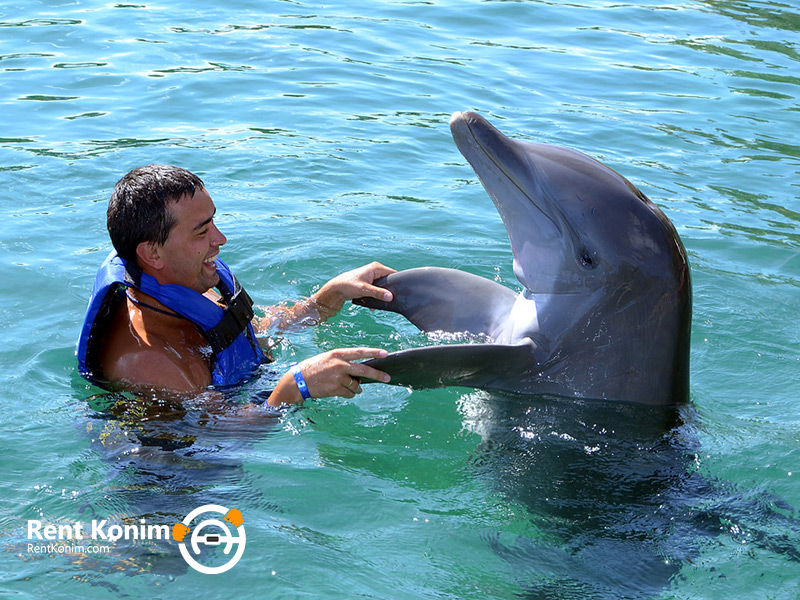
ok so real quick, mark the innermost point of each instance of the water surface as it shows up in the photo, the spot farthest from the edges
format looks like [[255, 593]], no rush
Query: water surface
[[321, 133]]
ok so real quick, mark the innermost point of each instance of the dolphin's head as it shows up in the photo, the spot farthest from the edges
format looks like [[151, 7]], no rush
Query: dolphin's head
[[583, 234], [575, 225]]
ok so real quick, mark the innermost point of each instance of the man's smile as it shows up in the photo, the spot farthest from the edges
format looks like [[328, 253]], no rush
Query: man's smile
[[211, 263]]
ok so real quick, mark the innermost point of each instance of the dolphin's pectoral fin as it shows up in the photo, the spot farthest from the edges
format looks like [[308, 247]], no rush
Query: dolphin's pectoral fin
[[437, 299], [469, 365]]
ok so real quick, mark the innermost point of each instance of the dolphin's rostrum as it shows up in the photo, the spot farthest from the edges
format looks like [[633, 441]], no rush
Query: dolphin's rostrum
[[605, 311]]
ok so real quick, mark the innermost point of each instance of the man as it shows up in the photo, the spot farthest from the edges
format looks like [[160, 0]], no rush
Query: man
[[155, 321]]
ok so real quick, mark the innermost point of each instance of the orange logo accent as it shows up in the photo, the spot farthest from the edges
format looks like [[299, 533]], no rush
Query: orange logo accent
[[179, 531], [234, 517]]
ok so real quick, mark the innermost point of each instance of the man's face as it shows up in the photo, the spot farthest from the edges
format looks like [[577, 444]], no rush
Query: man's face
[[190, 252]]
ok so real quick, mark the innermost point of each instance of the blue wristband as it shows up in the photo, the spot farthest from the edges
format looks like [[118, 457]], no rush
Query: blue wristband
[[301, 383]]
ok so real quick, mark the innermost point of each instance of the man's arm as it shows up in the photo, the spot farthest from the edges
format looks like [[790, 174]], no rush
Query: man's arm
[[329, 300]]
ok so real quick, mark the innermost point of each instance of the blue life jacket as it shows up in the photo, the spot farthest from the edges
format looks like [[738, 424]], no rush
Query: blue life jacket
[[236, 352]]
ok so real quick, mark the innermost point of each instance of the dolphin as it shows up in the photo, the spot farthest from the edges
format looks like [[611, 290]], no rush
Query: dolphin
[[605, 306]]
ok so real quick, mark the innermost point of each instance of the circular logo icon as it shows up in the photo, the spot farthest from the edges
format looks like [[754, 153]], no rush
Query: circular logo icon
[[211, 532]]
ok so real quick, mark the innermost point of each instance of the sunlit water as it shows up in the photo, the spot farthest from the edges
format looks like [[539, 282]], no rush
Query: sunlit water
[[321, 133]]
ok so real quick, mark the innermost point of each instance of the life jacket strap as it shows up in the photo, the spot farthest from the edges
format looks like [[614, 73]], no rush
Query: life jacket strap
[[237, 314]]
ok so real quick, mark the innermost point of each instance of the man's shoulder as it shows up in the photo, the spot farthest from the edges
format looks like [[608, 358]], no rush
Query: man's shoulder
[[145, 367], [138, 360]]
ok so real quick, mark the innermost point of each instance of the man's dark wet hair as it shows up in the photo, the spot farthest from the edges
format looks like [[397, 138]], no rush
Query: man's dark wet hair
[[138, 210]]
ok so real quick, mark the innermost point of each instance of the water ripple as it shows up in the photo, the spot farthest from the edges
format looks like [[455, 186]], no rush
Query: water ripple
[[321, 131]]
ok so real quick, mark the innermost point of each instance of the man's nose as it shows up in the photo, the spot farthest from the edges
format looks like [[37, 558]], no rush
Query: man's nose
[[218, 238]]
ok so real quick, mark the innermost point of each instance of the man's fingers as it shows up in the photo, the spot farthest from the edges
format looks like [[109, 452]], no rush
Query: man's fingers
[[378, 293], [368, 274], [359, 370], [352, 386], [363, 371], [351, 354]]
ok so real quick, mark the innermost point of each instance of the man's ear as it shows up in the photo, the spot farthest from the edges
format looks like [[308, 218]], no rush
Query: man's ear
[[150, 256]]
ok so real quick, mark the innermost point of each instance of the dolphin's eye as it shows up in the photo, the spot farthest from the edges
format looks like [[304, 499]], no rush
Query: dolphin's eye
[[587, 260]]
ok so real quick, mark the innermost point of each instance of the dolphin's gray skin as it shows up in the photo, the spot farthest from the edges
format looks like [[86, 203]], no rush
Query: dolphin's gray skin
[[605, 312]]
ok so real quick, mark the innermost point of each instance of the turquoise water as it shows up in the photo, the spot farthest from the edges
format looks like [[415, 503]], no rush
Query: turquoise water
[[321, 133]]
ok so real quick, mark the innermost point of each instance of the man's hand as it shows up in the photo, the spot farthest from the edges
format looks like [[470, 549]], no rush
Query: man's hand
[[358, 283], [332, 373]]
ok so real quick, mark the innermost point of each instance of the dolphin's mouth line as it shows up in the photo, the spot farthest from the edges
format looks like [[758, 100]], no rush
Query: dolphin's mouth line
[[557, 223]]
